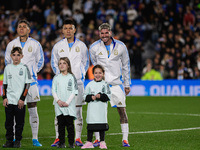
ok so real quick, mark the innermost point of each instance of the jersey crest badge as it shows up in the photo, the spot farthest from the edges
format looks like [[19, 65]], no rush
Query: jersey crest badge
[[115, 52], [9, 76], [21, 72], [69, 88], [77, 49], [100, 53], [30, 49], [103, 89], [61, 50]]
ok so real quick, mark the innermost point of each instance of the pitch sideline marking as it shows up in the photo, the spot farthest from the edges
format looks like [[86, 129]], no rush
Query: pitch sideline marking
[[141, 132], [160, 113]]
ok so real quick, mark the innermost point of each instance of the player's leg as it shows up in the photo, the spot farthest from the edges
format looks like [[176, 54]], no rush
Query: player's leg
[[56, 142], [79, 121], [124, 125], [118, 100], [34, 122], [32, 99]]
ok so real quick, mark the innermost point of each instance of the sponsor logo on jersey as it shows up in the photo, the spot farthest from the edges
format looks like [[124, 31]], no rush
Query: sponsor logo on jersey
[[115, 52], [100, 53], [36, 98], [61, 50], [30, 49], [77, 49], [120, 103], [21, 72]]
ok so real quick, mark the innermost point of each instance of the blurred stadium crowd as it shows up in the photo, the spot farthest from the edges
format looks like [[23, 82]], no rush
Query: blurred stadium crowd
[[161, 35]]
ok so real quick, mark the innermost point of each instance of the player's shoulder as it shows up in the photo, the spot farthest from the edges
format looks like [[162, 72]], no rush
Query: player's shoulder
[[13, 41], [95, 44], [58, 44], [33, 40]]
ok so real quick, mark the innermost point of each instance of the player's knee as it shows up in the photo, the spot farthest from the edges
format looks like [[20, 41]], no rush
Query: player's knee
[[33, 112]]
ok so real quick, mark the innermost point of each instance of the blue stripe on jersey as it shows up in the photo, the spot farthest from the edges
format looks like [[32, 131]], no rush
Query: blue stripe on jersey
[[34, 76], [122, 87], [108, 49], [52, 61], [22, 44], [87, 63], [95, 43], [40, 63]]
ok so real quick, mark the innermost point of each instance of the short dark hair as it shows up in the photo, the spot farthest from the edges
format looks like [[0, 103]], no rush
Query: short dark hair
[[16, 49], [70, 21], [24, 21]]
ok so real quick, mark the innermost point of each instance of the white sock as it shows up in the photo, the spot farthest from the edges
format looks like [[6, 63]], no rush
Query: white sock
[[34, 121], [78, 122], [56, 127], [125, 131], [96, 134]]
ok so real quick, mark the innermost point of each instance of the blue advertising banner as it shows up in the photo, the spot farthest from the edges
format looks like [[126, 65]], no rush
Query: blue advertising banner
[[148, 88], [144, 88]]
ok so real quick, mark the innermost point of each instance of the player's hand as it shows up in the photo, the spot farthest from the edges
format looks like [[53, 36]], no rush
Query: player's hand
[[5, 102], [93, 98], [127, 90], [98, 96], [65, 104], [20, 104]]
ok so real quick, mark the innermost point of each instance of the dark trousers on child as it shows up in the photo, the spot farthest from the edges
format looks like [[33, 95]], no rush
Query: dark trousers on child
[[101, 128], [12, 111], [90, 135], [66, 121]]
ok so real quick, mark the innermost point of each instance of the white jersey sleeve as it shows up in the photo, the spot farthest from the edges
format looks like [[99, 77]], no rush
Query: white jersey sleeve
[[39, 57], [54, 60], [85, 58], [126, 67], [8, 59]]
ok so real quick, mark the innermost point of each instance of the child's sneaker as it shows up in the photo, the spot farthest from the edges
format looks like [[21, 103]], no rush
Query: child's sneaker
[[61, 145], [96, 143], [78, 142], [87, 145], [125, 143], [17, 144], [8, 144], [55, 143], [36, 143], [103, 145]]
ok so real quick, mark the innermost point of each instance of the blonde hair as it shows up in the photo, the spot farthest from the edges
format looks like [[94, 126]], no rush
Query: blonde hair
[[105, 26]]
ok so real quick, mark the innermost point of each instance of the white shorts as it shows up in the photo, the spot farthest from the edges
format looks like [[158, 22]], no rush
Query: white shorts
[[118, 98], [33, 94], [79, 99]]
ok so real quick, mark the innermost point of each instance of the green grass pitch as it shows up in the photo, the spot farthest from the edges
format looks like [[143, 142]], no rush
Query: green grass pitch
[[155, 123]]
